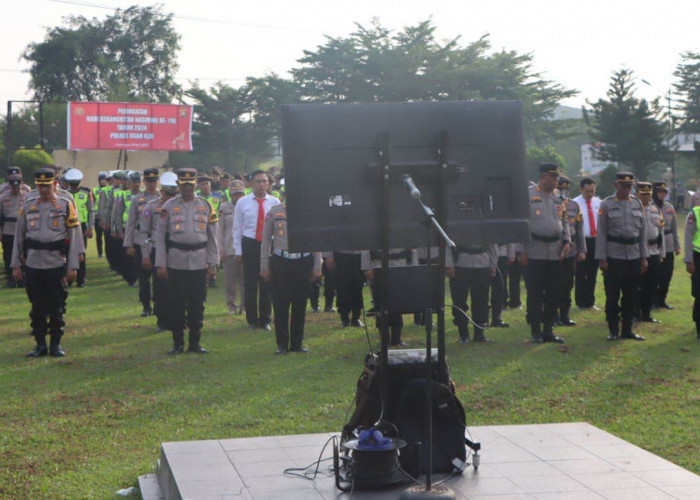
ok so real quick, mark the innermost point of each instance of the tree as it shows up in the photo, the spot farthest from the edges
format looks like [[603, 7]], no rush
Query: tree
[[629, 129], [687, 89], [130, 55], [29, 160], [535, 156], [236, 127], [374, 64]]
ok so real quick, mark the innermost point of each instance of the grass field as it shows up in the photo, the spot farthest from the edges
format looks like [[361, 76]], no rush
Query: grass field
[[87, 425]]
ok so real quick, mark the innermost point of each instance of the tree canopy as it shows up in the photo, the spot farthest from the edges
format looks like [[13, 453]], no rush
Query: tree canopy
[[687, 89], [629, 129], [130, 55], [374, 64]]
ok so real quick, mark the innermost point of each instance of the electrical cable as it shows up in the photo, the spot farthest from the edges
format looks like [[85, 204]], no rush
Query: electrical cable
[[295, 471]]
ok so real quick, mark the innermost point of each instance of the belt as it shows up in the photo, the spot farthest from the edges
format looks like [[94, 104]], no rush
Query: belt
[[546, 239], [624, 241], [286, 255], [9, 219], [48, 245], [655, 241], [470, 250], [188, 247], [668, 231]]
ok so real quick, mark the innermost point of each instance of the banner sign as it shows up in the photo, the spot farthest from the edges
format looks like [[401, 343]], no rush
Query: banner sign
[[129, 125]]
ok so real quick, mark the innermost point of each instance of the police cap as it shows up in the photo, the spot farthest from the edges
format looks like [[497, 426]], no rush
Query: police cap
[[236, 186], [74, 176], [643, 187], [624, 177], [660, 186], [44, 176], [150, 174], [187, 176], [564, 182], [549, 168]]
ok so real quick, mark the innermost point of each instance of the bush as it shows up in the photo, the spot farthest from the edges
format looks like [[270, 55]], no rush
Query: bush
[[29, 160]]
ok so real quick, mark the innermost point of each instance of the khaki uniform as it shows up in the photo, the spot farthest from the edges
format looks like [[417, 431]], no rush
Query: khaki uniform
[[186, 244], [549, 232], [574, 218], [291, 275], [47, 240], [649, 281], [233, 269], [148, 221], [10, 206], [622, 241], [134, 236]]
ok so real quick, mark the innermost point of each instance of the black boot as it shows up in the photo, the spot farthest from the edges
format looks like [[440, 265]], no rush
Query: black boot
[[536, 334], [396, 336], [40, 349], [55, 346], [499, 323], [463, 334], [548, 336], [56, 324], [194, 343], [178, 343], [147, 311], [344, 320], [479, 335], [564, 318], [355, 321], [627, 333]]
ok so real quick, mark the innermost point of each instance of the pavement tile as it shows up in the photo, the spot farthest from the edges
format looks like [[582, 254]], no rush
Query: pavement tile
[[610, 480], [636, 494], [584, 466]]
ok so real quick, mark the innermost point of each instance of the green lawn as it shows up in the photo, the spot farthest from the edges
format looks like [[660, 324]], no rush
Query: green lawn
[[87, 425]]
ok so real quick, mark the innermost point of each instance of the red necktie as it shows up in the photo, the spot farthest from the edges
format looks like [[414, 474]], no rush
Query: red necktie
[[591, 219], [261, 219]]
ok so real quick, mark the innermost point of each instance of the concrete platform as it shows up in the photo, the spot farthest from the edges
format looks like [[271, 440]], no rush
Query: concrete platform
[[573, 461]]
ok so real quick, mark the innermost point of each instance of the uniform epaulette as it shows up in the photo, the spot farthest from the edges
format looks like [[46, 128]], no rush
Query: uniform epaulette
[[213, 217]]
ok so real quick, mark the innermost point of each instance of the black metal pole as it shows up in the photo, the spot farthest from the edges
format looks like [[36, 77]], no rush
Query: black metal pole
[[385, 206], [429, 370]]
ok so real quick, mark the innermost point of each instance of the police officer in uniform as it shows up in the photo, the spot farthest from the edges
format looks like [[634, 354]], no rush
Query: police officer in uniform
[[499, 283], [232, 268], [371, 260], [105, 216], [84, 204], [577, 251], [691, 257], [549, 243], [187, 254], [671, 241], [470, 270], [97, 194], [148, 224], [120, 216], [654, 230], [621, 250], [214, 198], [11, 201], [291, 275], [134, 236], [47, 243]]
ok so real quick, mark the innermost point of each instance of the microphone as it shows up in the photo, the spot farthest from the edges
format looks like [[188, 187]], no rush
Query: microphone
[[411, 187]]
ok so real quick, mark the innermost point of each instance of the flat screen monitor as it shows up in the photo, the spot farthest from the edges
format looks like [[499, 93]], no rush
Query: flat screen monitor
[[334, 156]]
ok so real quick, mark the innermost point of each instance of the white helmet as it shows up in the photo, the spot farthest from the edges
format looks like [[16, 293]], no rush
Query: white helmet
[[168, 179], [74, 175]]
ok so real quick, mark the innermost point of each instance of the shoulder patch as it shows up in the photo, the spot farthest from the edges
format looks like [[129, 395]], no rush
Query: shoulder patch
[[72, 217]]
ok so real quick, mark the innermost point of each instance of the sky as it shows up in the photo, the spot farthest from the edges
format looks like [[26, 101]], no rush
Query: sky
[[575, 43]]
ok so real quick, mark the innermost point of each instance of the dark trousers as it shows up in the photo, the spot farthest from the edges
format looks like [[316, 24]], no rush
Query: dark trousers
[[649, 285], [256, 291], [695, 287], [186, 296], [515, 272], [82, 267], [111, 251], [348, 284], [130, 266], [160, 298], [144, 277], [621, 278], [665, 275], [566, 285], [586, 273], [47, 292], [99, 235], [498, 289], [394, 320], [328, 288], [291, 283], [475, 281], [542, 289], [8, 240]]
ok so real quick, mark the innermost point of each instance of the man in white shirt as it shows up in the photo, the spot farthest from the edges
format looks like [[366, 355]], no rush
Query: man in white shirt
[[587, 270], [248, 222]]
